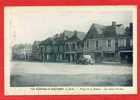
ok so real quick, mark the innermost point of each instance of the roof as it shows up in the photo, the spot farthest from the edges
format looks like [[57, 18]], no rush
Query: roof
[[22, 46], [58, 39], [95, 31], [81, 35], [77, 36], [110, 31], [99, 31], [36, 42], [48, 41], [68, 33]]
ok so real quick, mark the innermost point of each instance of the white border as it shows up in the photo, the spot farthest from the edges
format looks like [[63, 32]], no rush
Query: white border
[[42, 90]]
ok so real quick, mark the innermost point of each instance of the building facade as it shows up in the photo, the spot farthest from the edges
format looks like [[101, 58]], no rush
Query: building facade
[[36, 52], [105, 42], [22, 52], [52, 49], [74, 47]]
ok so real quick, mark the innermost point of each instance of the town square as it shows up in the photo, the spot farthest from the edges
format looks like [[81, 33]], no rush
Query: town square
[[70, 47], [65, 74], [102, 57]]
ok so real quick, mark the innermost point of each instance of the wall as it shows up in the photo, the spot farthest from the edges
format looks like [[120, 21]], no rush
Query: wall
[[102, 45]]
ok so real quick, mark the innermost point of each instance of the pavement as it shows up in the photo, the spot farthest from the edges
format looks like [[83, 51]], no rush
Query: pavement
[[66, 74]]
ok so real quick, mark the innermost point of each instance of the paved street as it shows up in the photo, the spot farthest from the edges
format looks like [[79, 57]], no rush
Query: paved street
[[65, 74]]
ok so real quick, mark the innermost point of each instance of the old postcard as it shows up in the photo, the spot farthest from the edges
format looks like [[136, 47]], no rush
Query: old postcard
[[70, 50]]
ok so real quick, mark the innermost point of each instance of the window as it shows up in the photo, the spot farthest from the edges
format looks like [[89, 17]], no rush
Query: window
[[79, 45], [122, 43], [73, 46], [55, 48], [61, 48], [87, 43], [67, 47], [109, 43], [128, 42], [97, 44]]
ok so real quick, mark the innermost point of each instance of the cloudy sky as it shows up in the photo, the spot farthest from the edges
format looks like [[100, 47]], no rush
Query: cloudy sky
[[28, 25]]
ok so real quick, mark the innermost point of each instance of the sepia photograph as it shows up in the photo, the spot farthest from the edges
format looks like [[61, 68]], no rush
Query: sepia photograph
[[82, 50]]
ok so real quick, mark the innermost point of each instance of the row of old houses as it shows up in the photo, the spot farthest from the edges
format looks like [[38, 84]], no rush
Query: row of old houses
[[110, 43], [101, 42], [21, 52], [62, 46]]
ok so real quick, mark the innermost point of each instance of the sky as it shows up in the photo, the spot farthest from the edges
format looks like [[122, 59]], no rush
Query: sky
[[28, 25]]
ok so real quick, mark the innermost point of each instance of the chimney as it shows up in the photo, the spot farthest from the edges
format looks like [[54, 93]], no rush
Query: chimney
[[114, 23]]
